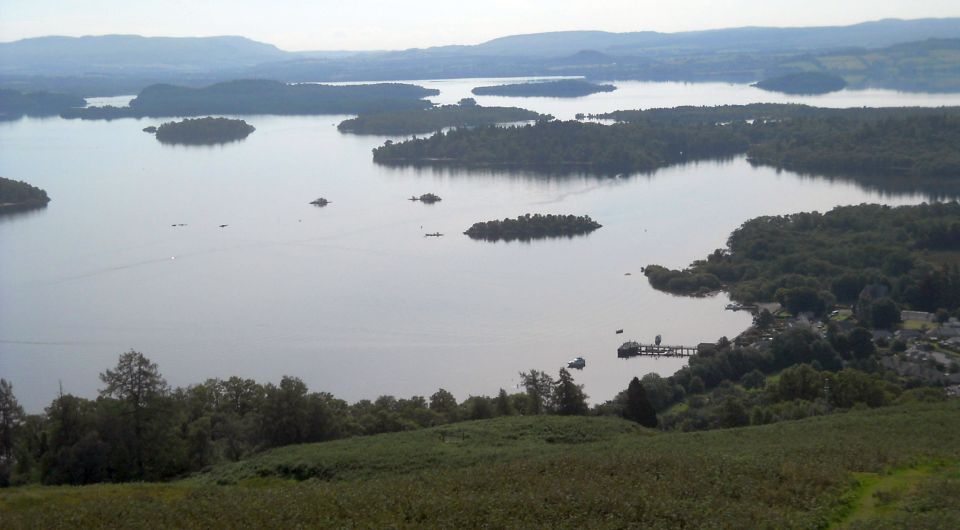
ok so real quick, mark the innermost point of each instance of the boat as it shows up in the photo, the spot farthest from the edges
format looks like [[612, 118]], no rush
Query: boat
[[619, 331], [435, 234], [320, 202], [578, 363]]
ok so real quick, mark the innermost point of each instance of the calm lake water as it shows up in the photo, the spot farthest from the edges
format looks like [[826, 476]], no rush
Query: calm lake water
[[353, 298]]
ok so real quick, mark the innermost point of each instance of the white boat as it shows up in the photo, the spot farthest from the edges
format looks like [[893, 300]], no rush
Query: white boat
[[579, 363]]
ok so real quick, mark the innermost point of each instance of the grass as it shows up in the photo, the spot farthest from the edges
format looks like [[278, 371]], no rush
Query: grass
[[550, 472]]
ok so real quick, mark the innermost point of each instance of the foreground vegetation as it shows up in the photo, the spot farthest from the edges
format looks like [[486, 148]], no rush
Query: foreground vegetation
[[466, 114], [808, 261], [203, 131], [537, 226], [551, 472], [563, 88], [15, 194], [263, 97], [914, 145]]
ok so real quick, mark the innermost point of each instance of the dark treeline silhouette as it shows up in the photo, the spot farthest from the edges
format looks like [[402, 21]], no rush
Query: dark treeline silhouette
[[912, 144], [535, 226], [466, 114], [808, 261], [15, 104], [568, 145], [15, 194], [264, 97], [139, 428], [803, 83], [562, 88], [203, 131], [729, 386]]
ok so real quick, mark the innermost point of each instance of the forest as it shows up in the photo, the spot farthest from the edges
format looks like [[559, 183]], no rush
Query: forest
[[139, 428], [257, 96], [562, 88], [537, 226], [809, 261], [803, 83], [203, 131], [15, 194], [465, 114], [917, 146], [15, 104]]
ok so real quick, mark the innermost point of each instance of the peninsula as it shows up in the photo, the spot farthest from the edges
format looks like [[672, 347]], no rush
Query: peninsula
[[563, 88], [805, 83], [413, 121], [18, 195], [258, 96]]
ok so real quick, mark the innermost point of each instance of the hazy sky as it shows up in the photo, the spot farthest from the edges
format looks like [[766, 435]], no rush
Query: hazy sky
[[383, 24]]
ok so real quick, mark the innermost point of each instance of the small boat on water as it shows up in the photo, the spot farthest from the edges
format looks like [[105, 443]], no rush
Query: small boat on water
[[435, 234], [619, 331], [578, 363]]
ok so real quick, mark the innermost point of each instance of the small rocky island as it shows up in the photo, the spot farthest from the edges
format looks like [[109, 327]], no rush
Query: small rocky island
[[563, 88], [536, 226], [427, 198], [805, 83], [18, 195], [320, 202], [203, 131]]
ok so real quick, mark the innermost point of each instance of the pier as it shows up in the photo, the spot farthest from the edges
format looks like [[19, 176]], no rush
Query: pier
[[635, 349]]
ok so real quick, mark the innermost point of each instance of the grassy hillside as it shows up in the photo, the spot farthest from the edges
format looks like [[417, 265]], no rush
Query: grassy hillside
[[864, 469]]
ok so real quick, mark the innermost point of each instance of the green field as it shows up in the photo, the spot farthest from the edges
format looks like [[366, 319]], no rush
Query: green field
[[866, 469]]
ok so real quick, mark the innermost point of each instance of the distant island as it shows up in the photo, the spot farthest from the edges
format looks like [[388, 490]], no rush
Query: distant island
[[427, 198], [805, 83], [18, 195], [15, 104], [264, 97], [537, 226], [916, 146], [203, 131], [563, 88], [466, 114]]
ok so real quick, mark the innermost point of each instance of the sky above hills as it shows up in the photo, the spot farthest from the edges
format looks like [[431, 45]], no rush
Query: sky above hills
[[393, 24]]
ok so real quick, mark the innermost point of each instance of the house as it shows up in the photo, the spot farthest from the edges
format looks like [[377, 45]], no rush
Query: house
[[919, 316], [907, 334]]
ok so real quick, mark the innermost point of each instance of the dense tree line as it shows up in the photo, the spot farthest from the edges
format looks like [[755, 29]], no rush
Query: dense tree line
[[536, 226], [202, 131], [733, 386], [568, 146], [808, 261], [563, 88], [256, 96], [910, 144], [19, 194], [139, 428], [466, 114]]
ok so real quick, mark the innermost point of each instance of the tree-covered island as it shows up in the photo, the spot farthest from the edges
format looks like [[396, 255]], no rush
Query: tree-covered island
[[414, 121], [537, 226], [911, 144], [562, 88], [18, 195], [258, 96], [805, 83], [203, 131]]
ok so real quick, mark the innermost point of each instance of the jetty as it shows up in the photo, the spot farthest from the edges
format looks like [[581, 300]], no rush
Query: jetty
[[636, 349]]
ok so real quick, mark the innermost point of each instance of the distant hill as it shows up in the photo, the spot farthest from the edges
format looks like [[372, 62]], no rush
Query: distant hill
[[124, 64], [132, 54]]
